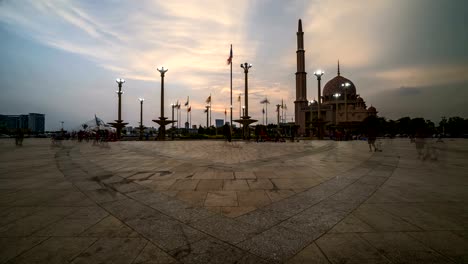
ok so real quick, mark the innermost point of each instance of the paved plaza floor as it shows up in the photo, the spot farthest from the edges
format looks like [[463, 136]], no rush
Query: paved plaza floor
[[218, 202]]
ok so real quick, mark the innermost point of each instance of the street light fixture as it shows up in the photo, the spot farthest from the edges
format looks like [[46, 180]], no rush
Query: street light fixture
[[318, 74], [336, 95], [172, 106], [245, 119], [246, 66], [162, 120], [141, 117], [119, 122], [311, 103], [345, 87]]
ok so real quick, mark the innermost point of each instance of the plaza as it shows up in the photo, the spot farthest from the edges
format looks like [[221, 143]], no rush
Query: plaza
[[240, 202]]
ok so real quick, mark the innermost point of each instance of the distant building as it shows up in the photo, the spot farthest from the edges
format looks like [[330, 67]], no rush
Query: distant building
[[219, 122], [34, 122]]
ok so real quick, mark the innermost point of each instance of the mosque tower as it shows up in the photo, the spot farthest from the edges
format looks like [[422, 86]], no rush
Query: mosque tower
[[301, 87]]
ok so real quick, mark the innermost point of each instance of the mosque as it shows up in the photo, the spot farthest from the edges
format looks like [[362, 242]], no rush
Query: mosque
[[340, 104]]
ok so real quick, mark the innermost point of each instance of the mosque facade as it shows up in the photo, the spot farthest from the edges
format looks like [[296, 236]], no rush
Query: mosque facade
[[341, 106]]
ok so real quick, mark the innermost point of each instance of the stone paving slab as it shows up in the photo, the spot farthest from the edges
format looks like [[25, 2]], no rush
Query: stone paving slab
[[214, 202]]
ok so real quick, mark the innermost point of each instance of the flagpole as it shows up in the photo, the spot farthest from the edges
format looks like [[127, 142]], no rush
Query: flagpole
[[210, 109], [231, 89]]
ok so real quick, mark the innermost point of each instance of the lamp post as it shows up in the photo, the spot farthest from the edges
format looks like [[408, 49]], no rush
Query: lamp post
[[311, 103], [162, 121], [278, 114], [141, 117], [337, 95], [120, 81], [118, 124], [245, 119], [207, 115], [246, 66], [172, 106], [345, 86], [319, 74]]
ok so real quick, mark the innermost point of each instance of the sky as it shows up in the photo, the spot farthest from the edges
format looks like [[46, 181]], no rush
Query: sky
[[61, 58]]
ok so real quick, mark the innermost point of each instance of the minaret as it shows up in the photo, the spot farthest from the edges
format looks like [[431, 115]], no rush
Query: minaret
[[301, 87]]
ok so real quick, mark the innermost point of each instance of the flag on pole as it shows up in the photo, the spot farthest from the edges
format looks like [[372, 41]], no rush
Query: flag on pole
[[285, 107], [225, 111], [189, 109], [238, 98], [229, 60], [208, 100], [187, 103], [263, 110], [206, 110], [282, 104]]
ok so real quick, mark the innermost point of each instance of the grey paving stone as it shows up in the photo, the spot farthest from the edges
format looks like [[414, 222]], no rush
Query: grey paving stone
[[11, 214], [112, 250], [153, 255], [110, 227], [276, 244], [67, 227], [445, 242], [310, 254], [149, 197], [349, 248], [226, 229], [354, 193], [180, 210], [32, 223], [55, 250], [381, 220], [208, 251], [12, 247], [262, 219], [184, 212], [104, 195], [351, 224], [428, 216], [73, 198], [372, 180], [129, 209], [165, 232], [126, 187], [401, 248], [319, 218]]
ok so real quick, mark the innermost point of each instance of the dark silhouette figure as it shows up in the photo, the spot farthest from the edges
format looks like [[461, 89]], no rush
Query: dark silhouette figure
[[372, 129], [227, 132], [19, 137]]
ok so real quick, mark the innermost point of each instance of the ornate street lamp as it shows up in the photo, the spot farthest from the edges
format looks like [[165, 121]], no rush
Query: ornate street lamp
[[207, 111], [245, 119], [337, 95], [345, 87], [311, 104], [141, 117], [118, 124], [173, 106], [246, 66], [162, 121], [319, 74]]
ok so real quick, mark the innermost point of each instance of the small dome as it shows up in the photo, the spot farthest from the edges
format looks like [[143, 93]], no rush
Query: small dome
[[334, 86], [372, 109]]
